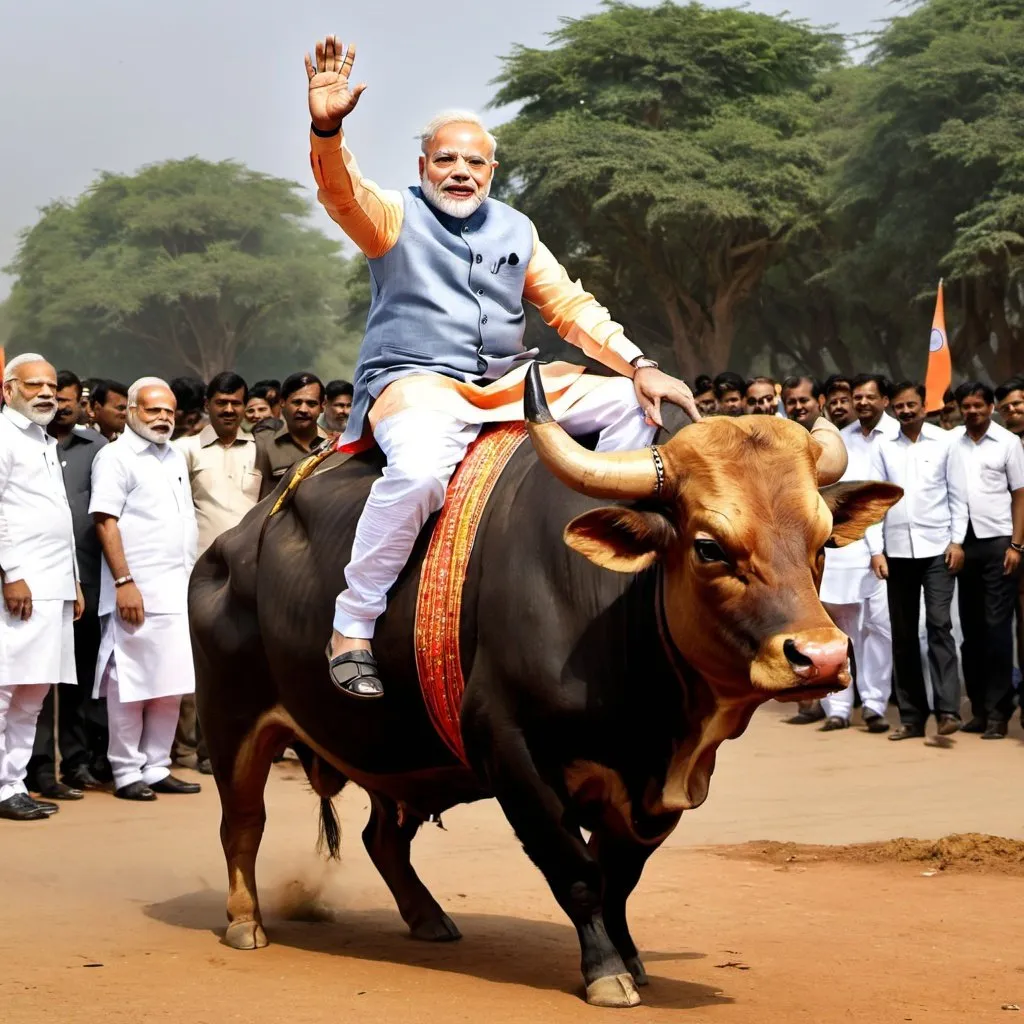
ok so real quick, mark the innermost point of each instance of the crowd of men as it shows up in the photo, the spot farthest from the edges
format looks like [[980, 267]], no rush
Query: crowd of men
[[109, 493]]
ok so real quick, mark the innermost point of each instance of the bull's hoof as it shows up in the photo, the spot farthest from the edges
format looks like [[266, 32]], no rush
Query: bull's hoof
[[245, 935], [617, 990], [437, 929], [636, 968]]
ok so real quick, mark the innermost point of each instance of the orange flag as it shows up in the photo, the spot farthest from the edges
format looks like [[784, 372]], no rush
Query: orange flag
[[940, 366]]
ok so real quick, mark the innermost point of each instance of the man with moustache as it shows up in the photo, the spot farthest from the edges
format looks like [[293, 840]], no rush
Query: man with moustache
[[991, 461], [920, 556], [761, 397], [338, 406], [81, 735], [41, 596], [838, 400], [443, 350], [802, 400], [108, 403], [853, 585], [302, 402], [221, 464], [146, 523]]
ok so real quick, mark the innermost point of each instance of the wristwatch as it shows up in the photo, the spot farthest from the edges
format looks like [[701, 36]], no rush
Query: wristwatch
[[122, 580], [1019, 548], [643, 363]]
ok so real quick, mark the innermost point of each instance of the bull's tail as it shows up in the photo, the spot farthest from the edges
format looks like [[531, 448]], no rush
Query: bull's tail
[[329, 840]]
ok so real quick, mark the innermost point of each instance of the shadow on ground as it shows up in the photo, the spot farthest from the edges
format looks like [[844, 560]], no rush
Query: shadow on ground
[[495, 948]]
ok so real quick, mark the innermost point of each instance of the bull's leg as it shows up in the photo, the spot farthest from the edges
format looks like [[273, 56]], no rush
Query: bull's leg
[[622, 862], [243, 815], [388, 844], [538, 816]]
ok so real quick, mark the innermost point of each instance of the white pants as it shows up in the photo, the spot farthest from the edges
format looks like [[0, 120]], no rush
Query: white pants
[[19, 710], [141, 734], [423, 447], [867, 625]]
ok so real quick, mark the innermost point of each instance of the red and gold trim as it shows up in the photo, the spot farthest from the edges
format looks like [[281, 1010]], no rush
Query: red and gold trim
[[439, 603]]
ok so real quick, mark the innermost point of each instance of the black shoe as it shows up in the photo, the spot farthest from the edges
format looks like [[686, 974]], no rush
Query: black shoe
[[833, 723], [355, 673], [949, 724], [172, 785], [81, 778], [46, 806], [907, 732], [135, 791], [975, 725], [995, 731], [874, 721], [808, 713], [54, 790], [204, 767], [21, 807]]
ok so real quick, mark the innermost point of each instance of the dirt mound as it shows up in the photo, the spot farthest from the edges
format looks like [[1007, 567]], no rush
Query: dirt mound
[[969, 851]]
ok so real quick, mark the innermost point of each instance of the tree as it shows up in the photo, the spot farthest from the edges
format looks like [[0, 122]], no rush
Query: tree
[[667, 154], [186, 266], [933, 175]]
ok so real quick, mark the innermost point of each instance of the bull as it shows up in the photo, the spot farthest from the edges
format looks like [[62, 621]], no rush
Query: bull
[[598, 688]]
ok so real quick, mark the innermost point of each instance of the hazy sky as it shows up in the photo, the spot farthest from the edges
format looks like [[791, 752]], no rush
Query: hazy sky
[[91, 85]]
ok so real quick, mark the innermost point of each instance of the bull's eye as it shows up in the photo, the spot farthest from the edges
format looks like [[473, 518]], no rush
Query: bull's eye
[[709, 550]]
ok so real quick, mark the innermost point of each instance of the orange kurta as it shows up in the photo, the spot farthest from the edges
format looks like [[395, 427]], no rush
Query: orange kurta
[[372, 218]]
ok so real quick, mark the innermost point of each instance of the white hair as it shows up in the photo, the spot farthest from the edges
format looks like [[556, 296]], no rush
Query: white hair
[[17, 361], [447, 117], [141, 384]]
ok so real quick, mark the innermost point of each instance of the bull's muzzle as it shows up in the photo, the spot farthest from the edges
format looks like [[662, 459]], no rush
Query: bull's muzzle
[[812, 662]]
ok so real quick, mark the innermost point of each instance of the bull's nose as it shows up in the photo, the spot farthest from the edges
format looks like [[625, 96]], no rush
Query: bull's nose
[[817, 659]]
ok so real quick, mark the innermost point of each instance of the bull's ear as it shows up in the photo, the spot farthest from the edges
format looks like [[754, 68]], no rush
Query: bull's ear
[[855, 507], [623, 539]]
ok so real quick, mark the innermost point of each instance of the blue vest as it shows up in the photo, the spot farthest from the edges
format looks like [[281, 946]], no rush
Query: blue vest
[[446, 298]]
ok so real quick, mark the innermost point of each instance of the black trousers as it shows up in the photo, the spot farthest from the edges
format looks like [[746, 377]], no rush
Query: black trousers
[[81, 734], [907, 578], [987, 600]]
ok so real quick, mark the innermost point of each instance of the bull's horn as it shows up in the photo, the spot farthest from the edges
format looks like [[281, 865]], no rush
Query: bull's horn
[[832, 458], [635, 474]]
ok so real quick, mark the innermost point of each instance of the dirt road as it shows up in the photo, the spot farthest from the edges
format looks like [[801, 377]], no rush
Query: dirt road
[[111, 912]]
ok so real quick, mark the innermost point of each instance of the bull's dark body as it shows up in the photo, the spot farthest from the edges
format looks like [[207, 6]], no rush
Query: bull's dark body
[[563, 663]]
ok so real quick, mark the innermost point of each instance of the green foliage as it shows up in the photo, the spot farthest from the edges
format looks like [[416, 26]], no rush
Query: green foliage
[[669, 153], [186, 266]]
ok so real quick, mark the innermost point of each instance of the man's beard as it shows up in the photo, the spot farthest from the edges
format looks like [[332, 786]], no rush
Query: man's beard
[[150, 433], [28, 409], [460, 208]]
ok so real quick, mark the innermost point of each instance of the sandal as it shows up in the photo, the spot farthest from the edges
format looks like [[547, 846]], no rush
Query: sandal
[[907, 732], [833, 723], [355, 673]]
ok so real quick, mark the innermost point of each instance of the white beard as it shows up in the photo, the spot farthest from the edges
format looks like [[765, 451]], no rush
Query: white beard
[[460, 208], [148, 432], [40, 417]]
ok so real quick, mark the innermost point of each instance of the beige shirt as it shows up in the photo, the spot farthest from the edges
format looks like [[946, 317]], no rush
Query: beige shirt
[[225, 482]]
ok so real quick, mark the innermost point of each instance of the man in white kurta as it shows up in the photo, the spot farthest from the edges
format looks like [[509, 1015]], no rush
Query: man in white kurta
[[146, 523], [37, 559], [852, 588]]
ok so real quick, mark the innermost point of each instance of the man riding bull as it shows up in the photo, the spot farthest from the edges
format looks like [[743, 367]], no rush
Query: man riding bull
[[443, 351]]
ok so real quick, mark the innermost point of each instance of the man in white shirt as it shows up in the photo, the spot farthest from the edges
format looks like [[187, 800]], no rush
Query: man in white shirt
[[146, 524], [1010, 404], [221, 463], [919, 554], [852, 587], [991, 461], [40, 582]]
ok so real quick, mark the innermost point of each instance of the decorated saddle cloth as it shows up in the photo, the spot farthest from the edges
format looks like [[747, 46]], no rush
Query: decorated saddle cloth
[[439, 602]]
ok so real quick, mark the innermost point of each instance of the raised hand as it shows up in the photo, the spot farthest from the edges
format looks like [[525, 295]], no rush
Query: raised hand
[[331, 99]]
